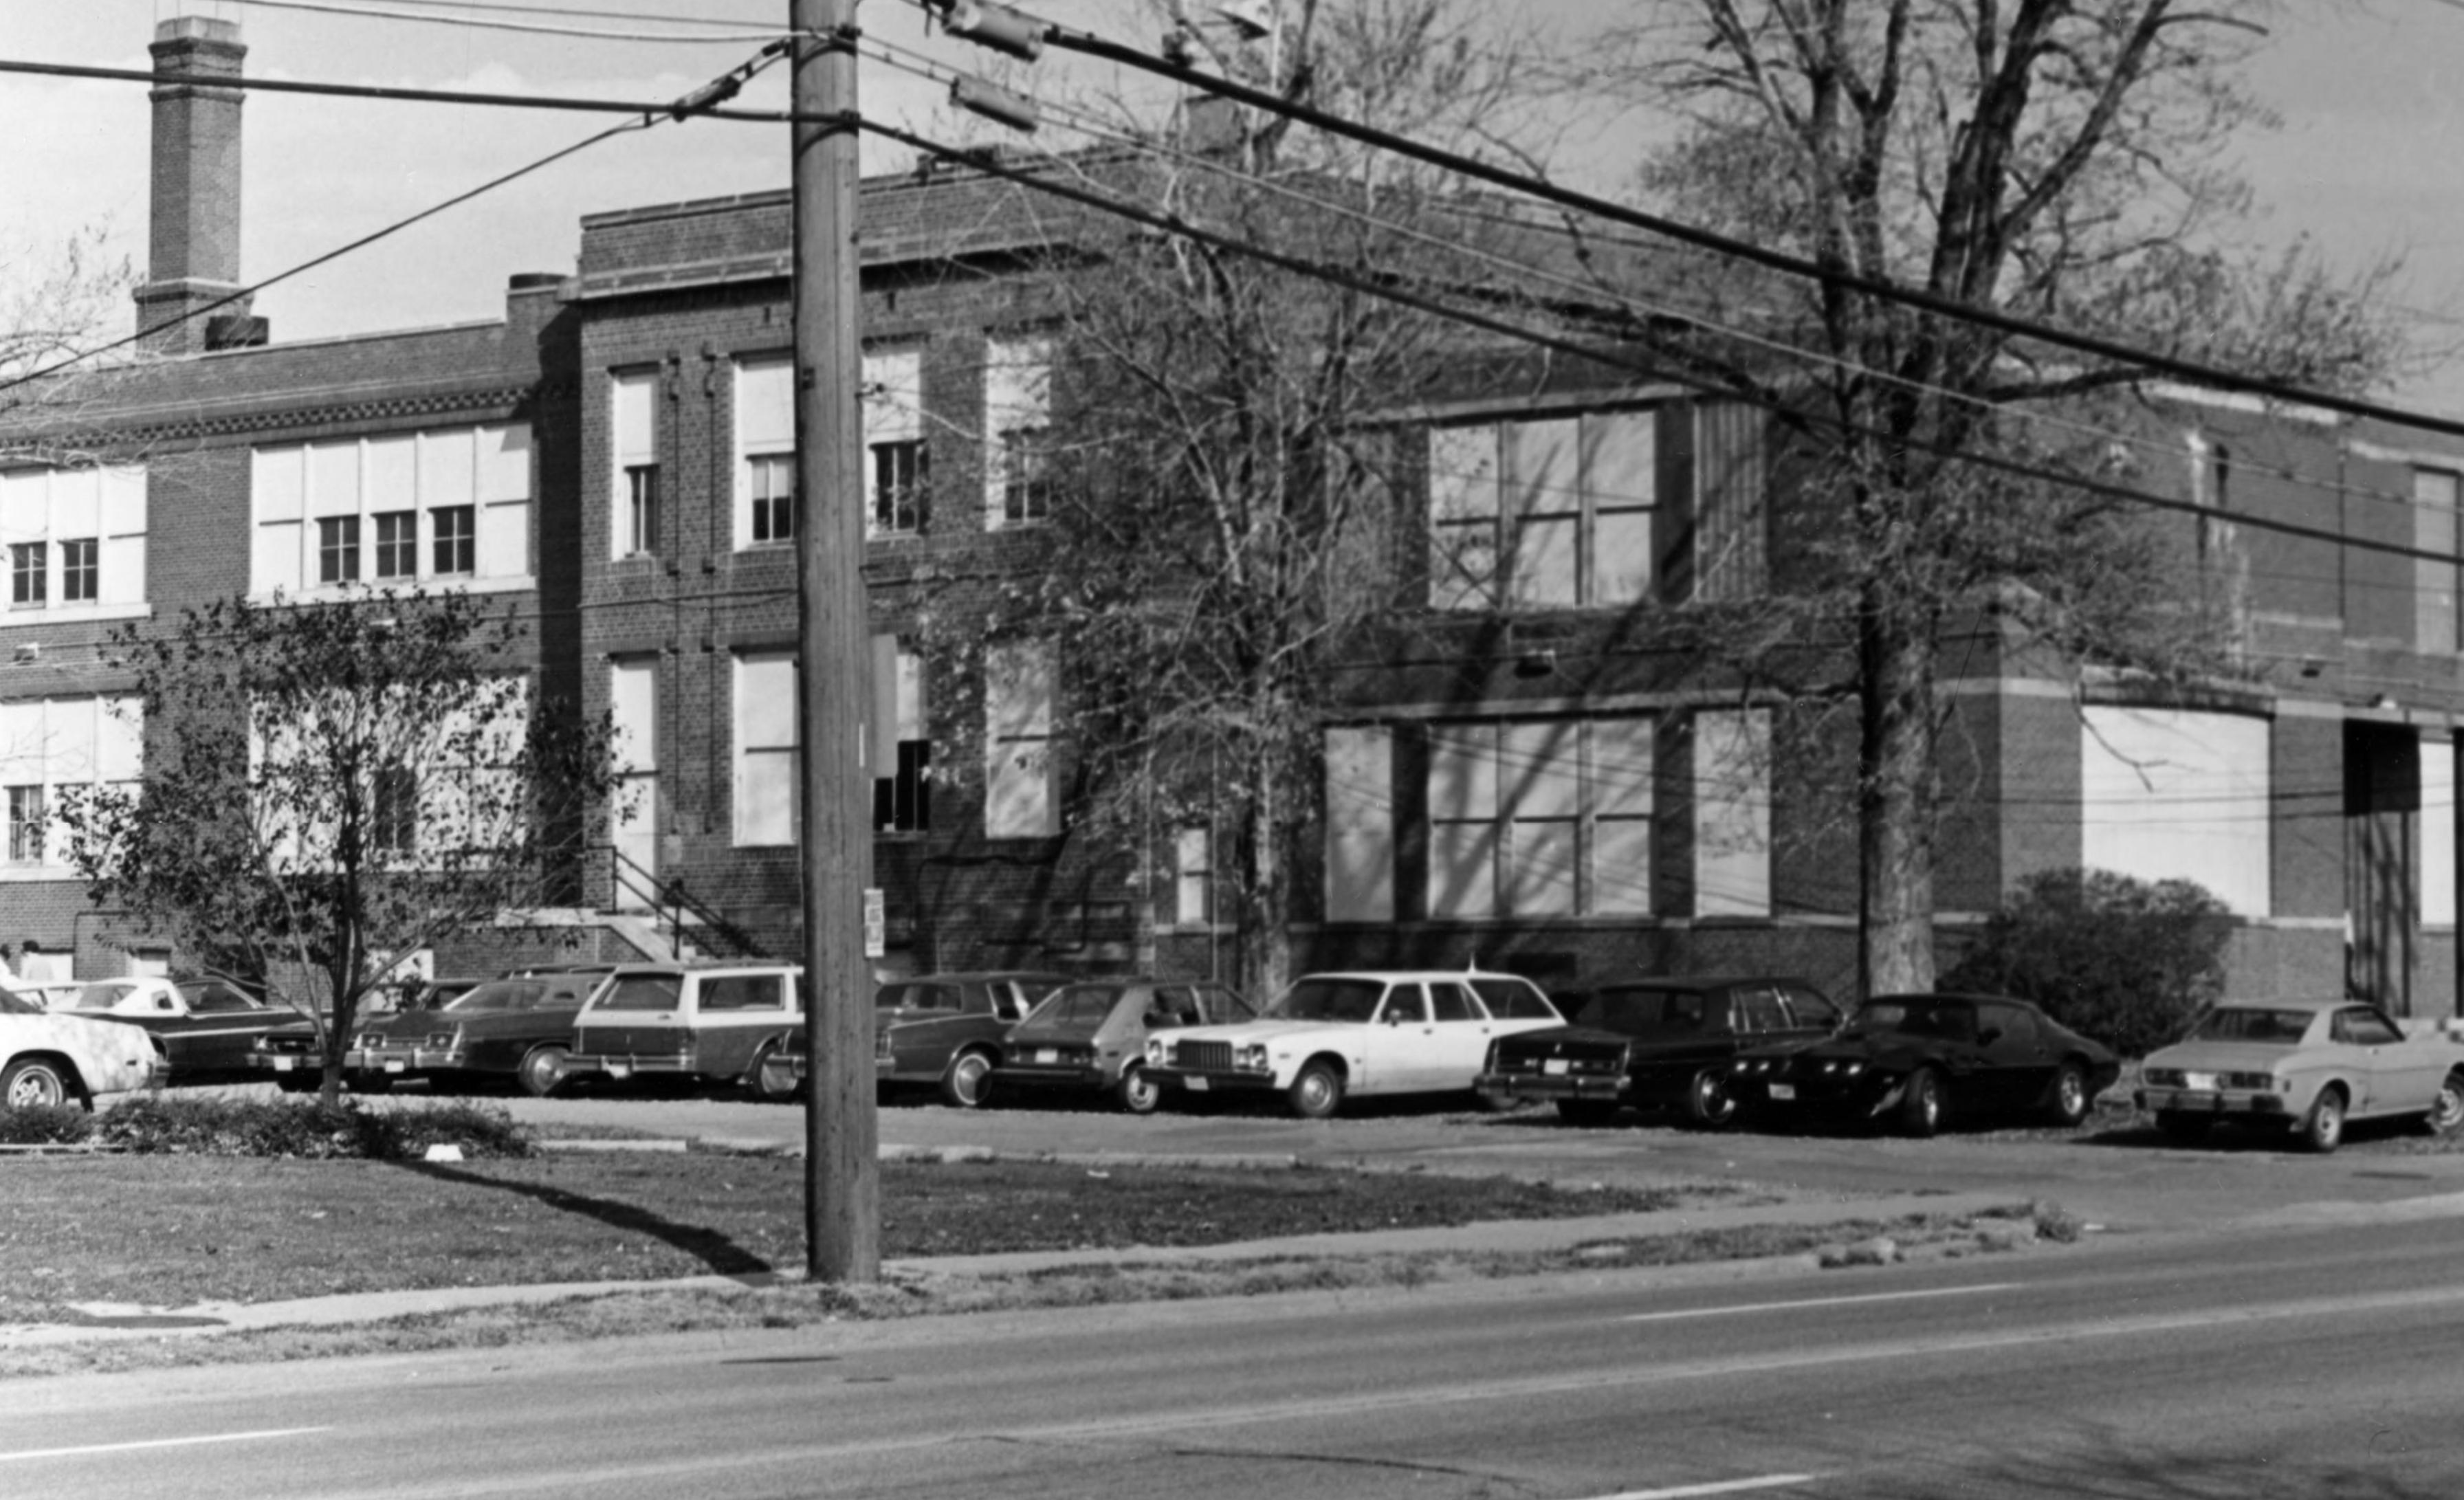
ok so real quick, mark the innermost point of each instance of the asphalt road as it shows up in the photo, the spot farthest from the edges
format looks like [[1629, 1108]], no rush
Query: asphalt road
[[2302, 1362]]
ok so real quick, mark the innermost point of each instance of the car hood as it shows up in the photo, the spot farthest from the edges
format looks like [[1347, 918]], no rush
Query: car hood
[[1269, 1032], [1053, 1033], [1886, 1051]]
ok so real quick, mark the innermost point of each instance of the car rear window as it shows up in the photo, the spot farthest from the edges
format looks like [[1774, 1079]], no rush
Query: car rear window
[[916, 997], [742, 992], [500, 994], [2251, 1023], [1646, 1010], [1084, 1007], [641, 992], [1513, 1000]]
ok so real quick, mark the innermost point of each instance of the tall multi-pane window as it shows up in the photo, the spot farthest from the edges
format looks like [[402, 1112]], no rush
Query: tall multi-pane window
[[767, 805], [1551, 513], [1193, 878], [896, 460], [633, 710], [338, 549], [397, 545], [393, 810], [30, 574], [1540, 818], [1018, 421], [1019, 685], [93, 518], [633, 459], [773, 488], [48, 743], [765, 451], [455, 533], [80, 571], [2437, 583], [902, 754], [26, 825]]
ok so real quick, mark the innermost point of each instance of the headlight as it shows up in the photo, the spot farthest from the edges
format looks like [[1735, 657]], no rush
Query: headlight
[[1250, 1056], [443, 1041], [2161, 1077], [2256, 1083]]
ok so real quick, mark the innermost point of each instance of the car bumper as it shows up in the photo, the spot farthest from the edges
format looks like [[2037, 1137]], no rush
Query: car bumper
[[1595, 1088], [626, 1065], [2212, 1101], [1056, 1076], [1193, 1080], [402, 1060], [1859, 1098], [285, 1061]]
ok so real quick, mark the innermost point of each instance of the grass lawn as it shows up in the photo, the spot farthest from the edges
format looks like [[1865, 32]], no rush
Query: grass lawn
[[170, 1231]]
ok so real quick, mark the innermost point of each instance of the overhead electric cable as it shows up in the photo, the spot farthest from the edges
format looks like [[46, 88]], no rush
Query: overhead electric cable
[[568, 12], [536, 28]]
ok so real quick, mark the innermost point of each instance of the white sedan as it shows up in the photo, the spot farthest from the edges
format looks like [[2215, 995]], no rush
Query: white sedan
[[1334, 1035], [56, 1058], [2304, 1065]]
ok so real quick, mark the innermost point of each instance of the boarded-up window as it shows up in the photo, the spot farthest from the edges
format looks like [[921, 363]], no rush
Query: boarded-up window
[[1540, 818], [768, 808], [2437, 832], [1019, 685], [1730, 504], [633, 703], [2171, 793], [1733, 813], [1359, 824], [902, 757], [1018, 418], [2435, 501]]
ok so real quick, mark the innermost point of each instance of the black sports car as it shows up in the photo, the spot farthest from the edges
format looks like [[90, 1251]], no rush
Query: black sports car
[[1917, 1059]]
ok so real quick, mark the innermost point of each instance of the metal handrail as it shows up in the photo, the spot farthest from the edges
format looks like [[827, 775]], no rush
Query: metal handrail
[[671, 899]]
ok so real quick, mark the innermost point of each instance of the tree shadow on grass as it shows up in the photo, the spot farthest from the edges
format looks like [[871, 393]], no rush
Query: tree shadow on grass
[[711, 1247]]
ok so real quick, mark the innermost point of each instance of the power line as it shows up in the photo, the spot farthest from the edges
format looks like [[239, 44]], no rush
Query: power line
[[501, 5], [530, 27]]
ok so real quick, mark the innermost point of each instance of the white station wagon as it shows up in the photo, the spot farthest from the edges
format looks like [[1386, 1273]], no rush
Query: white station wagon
[[1334, 1035]]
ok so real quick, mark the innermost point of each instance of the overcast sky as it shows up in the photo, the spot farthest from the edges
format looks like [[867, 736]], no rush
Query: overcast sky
[[2368, 90]]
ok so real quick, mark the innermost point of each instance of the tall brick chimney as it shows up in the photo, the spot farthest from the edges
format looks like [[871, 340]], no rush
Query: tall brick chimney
[[193, 243]]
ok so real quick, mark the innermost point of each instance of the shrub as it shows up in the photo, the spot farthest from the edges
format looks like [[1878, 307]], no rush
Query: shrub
[[44, 1125], [2121, 959], [304, 1128]]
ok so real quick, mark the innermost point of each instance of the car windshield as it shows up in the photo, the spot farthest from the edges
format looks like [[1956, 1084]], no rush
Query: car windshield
[[1077, 1006], [1949, 1020], [500, 994], [2251, 1023], [1329, 1000], [13, 1003], [1645, 1011], [209, 999]]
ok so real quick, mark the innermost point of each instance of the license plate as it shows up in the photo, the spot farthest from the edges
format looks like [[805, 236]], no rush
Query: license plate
[[393, 1067], [2198, 1080], [1783, 1091], [1552, 1066], [282, 1065], [620, 1069], [1198, 1085], [1045, 1054]]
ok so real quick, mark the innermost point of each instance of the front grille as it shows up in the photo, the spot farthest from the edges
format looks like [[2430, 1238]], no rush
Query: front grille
[[1211, 1057]]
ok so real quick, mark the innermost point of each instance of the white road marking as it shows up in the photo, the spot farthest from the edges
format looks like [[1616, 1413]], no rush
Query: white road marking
[[1724, 1487], [161, 1443], [1813, 1302]]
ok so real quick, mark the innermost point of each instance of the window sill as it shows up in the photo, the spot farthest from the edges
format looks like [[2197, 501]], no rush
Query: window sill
[[340, 593], [28, 875], [21, 615]]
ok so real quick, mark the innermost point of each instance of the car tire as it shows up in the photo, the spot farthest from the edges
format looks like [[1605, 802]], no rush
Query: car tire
[[36, 1083], [2447, 1110], [296, 1082], [2069, 1104], [2181, 1127], [2322, 1130], [1316, 1093], [1135, 1093], [1921, 1105], [1585, 1112], [1708, 1103], [756, 1078], [542, 1071], [370, 1083], [968, 1081]]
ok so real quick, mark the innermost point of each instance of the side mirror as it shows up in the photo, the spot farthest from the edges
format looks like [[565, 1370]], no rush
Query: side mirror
[[1393, 1018]]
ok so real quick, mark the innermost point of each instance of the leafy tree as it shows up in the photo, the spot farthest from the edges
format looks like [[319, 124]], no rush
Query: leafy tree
[[2062, 161], [2127, 961], [329, 787]]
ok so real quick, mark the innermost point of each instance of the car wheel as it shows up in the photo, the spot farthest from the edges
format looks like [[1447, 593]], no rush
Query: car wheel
[[33, 1083], [2323, 1129], [1317, 1092], [969, 1082], [2181, 1128], [542, 1071], [1137, 1092], [772, 1086], [296, 1082], [370, 1083], [2447, 1111], [1708, 1103], [1585, 1112], [2070, 1101], [1921, 1105]]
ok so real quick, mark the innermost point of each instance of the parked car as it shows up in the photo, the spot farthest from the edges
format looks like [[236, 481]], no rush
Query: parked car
[[946, 1029], [1660, 1044], [507, 1030], [714, 1022], [1090, 1036], [207, 1027], [1331, 1036], [2308, 1066], [58, 1057], [1918, 1060]]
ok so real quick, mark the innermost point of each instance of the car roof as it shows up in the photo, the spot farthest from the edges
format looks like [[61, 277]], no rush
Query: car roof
[[986, 976], [2294, 1002], [1693, 980], [698, 966], [1405, 976]]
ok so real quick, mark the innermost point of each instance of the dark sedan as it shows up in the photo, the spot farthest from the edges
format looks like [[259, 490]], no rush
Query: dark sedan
[[207, 1026], [1918, 1060], [1091, 1037], [1662, 1043], [508, 1030]]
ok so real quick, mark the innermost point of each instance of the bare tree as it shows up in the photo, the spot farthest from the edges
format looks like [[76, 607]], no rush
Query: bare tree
[[58, 312]]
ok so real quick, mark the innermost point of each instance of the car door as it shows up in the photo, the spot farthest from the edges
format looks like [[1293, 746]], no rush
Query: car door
[[2014, 1064], [2387, 1076], [1399, 1046], [1810, 1016], [2413, 1067], [1460, 1033], [733, 1014]]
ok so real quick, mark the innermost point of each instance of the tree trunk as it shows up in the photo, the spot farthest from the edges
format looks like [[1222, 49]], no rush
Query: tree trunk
[[1897, 795], [1266, 941]]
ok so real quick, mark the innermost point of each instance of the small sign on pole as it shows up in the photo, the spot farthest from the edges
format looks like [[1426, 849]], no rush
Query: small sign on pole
[[876, 923]]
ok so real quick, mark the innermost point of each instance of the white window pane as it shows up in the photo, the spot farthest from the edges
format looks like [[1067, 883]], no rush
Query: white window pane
[[76, 502], [274, 561], [122, 561], [2434, 583], [505, 540], [765, 798], [1621, 866], [894, 394], [448, 463], [1360, 825], [1018, 690], [1541, 770], [1462, 870], [633, 703], [1621, 767], [766, 405], [1622, 458], [1732, 814], [2437, 833], [2171, 794], [1462, 771], [22, 741], [1462, 567], [1464, 469], [633, 416], [334, 478], [68, 751], [123, 500], [504, 463], [1018, 793], [1540, 870], [25, 505], [1620, 556], [1018, 384], [278, 482], [120, 739], [389, 474], [1193, 873], [1543, 476], [1546, 558], [765, 701]]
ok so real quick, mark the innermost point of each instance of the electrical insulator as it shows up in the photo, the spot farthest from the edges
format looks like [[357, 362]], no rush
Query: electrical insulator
[[997, 27], [994, 103]]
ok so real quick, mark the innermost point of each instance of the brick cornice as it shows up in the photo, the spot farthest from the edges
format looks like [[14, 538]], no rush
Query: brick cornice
[[264, 418]]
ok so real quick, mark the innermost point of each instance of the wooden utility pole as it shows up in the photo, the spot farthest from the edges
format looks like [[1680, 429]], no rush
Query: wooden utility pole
[[841, 1173]]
